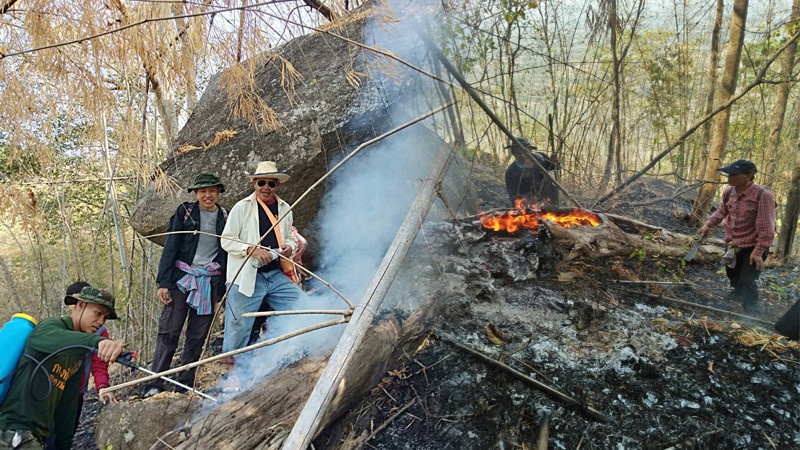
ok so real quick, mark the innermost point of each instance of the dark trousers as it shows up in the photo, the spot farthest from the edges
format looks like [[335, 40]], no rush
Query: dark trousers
[[744, 280], [169, 330]]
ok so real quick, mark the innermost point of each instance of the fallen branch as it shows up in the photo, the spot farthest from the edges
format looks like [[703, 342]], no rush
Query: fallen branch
[[558, 395], [249, 348], [706, 307], [339, 312], [360, 442]]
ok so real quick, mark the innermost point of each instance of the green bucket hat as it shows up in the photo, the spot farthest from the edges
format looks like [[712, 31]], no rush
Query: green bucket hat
[[94, 295], [206, 179]]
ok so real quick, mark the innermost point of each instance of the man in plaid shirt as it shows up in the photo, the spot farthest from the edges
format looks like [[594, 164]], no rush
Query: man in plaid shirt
[[749, 213]]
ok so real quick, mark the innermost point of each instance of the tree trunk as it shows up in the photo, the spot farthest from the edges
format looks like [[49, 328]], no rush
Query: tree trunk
[[779, 109], [783, 248], [711, 79], [613, 142], [720, 129]]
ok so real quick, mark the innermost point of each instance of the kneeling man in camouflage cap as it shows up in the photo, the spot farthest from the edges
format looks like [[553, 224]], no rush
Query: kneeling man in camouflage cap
[[43, 403]]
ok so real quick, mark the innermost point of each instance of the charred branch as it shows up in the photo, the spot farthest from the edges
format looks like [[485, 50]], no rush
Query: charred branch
[[551, 391]]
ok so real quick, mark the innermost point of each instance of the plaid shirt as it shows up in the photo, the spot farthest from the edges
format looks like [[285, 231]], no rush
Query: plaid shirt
[[749, 217]]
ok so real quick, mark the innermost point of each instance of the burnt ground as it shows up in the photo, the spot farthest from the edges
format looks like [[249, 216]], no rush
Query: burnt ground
[[665, 377]]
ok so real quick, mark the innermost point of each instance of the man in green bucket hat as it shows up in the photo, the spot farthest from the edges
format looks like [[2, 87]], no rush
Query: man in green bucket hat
[[41, 404], [191, 278]]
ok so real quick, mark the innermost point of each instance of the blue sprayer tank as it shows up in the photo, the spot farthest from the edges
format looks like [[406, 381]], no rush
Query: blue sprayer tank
[[12, 339]]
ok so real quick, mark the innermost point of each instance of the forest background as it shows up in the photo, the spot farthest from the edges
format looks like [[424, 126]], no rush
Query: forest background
[[92, 95]]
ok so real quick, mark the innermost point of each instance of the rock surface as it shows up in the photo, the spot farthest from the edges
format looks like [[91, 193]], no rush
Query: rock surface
[[323, 116]]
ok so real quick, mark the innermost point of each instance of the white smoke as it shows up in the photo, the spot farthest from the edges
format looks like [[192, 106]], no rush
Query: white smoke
[[363, 207]]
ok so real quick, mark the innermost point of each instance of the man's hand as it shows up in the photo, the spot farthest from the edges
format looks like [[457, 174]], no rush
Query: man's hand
[[757, 260], [108, 350], [554, 158], [286, 251], [703, 231], [107, 397], [262, 255], [163, 296]]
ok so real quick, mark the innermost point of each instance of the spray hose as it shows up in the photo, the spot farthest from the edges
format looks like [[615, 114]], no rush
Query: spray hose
[[125, 358]]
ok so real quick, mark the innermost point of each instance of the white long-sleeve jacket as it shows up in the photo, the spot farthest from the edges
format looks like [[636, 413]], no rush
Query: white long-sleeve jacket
[[243, 225]]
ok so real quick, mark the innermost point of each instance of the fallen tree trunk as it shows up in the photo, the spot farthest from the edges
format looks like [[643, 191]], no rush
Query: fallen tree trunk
[[262, 417], [620, 235]]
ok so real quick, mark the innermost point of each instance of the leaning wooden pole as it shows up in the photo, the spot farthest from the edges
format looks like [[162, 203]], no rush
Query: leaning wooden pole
[[312, 414], [455, 73]]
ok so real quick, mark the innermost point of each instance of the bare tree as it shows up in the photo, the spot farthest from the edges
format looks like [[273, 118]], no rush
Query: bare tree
[[783, 247], [779, 108], [720, 129], [711, 79], [615, 25]]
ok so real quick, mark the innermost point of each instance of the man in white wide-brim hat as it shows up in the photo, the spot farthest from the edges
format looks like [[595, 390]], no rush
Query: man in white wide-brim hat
[[262, 276]]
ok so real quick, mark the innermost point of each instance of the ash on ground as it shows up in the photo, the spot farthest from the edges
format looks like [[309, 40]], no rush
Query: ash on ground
[[665, 378]]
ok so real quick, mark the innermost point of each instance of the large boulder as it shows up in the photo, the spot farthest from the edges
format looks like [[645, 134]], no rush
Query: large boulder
[[323, 116]]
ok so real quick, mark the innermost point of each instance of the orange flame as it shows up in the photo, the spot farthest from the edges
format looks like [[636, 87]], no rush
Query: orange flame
[[532, 217]]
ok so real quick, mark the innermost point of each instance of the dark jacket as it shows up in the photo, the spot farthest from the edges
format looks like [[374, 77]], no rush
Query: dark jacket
[[531, 183], [28, 407], [182, 247]]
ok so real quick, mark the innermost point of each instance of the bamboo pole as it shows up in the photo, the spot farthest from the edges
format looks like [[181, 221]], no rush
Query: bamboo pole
[[342, 357], [338, 312], [249, 348]]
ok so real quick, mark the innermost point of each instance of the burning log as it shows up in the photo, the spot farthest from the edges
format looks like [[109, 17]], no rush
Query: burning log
[[595, 235]]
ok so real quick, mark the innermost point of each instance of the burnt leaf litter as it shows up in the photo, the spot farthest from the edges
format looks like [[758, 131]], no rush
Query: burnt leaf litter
[[665, 377]]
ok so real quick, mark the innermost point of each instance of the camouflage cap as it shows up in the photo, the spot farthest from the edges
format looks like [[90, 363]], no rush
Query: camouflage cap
[[524, 141], [206, 179], [94, 295]]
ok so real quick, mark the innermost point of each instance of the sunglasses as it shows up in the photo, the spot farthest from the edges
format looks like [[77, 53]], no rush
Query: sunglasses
[[272, 184]]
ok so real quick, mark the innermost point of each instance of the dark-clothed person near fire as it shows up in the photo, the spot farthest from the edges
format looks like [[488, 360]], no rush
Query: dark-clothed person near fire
[[749, 213], [525, 180], [190, 277], [41, 405], [264, 275]]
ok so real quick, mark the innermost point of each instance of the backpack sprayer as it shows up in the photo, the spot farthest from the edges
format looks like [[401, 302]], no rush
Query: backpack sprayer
[[13, 336]]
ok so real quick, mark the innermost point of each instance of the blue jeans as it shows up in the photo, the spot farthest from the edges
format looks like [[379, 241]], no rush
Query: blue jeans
[[275, 287]]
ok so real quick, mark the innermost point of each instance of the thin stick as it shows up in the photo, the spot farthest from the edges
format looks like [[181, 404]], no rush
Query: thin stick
[[588, 410], [342, 312], [249, 348], [317, 277], [708, 308], [385, 53], [386, 423], [668, 283]]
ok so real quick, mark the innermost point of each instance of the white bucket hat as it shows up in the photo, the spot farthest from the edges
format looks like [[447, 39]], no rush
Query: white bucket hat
[[268, 169]]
